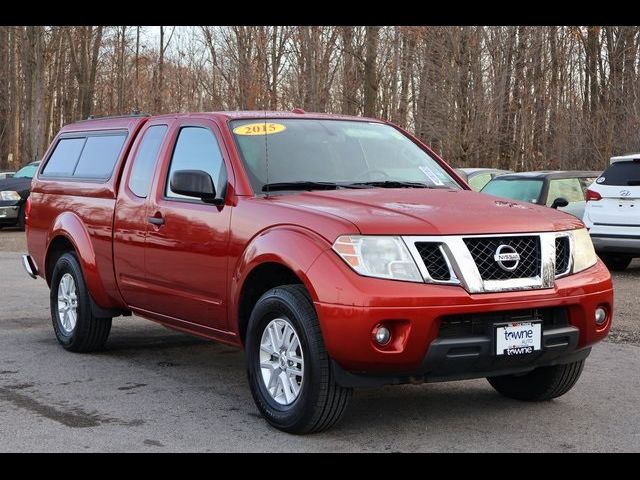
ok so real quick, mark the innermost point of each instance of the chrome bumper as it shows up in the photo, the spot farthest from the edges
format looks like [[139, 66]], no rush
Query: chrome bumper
[[30, 266]]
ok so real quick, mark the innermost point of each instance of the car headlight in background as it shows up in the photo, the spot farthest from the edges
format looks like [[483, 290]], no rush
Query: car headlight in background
[[9, 195], [378, 256], [584, 255]]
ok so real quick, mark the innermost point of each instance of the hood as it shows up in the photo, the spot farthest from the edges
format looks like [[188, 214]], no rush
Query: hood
[[22, 184], [417, 211]]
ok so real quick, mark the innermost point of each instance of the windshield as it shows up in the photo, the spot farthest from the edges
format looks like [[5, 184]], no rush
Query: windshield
[[526, 190], [333, 152], [26, 172]]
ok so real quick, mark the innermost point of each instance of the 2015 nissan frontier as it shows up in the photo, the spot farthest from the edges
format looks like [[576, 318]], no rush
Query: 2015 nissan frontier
[[338, 251]]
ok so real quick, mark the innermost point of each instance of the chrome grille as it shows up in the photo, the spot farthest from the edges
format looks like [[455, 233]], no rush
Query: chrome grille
[[434, 260], [483, 250], [562, 255]]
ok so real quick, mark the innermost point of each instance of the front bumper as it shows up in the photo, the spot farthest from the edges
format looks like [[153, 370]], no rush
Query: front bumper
[[9, 214], [350, 307]]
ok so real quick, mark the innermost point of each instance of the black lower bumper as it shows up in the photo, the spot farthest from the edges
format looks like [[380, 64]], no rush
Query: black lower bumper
[[472, 357]]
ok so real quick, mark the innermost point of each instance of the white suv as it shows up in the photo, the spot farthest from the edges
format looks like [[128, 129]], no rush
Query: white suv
[[613, 212]]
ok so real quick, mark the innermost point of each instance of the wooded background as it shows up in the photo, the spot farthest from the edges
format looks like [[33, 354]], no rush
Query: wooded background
[[516, 97]]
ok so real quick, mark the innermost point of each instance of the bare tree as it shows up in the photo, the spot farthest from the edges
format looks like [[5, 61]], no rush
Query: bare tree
[[514, 97]]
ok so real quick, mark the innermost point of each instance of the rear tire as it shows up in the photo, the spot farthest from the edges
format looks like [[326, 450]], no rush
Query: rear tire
[[315, 402], [541, 384], [616, 262], [74, 324]]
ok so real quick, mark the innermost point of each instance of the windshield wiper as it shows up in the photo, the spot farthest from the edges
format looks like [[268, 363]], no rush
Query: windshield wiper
[[301, 185], [394, 184]]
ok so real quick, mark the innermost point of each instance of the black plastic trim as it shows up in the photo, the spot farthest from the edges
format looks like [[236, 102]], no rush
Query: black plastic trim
[[472, 357]]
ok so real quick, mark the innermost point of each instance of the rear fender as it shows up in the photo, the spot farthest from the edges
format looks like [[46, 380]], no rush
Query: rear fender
[[71, 227]]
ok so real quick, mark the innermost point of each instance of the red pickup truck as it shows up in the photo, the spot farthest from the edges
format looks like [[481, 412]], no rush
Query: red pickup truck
[[339, 252]]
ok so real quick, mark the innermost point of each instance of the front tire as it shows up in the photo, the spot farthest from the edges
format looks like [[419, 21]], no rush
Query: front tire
[[74, 324], [288, 366], [616, 262], [541, 384]]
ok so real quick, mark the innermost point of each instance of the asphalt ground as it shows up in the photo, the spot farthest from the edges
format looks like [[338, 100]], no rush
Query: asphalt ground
[[156, 390]]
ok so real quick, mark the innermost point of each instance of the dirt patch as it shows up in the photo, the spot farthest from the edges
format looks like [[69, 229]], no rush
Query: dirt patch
[[20, 397]]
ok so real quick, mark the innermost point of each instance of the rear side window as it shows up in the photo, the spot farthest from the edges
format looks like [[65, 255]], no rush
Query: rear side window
[[197, 149], [91, 156], [99, 156], [621, 173], [145, 161], [64, 158]]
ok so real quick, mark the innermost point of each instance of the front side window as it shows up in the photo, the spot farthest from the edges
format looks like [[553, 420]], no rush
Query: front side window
[[197, 149], [585, 183], [145, 160], [568, 188], [525, 190], [335, 152]]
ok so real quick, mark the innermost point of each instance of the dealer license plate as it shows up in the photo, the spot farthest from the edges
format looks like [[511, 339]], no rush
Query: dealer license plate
[[518, 338]]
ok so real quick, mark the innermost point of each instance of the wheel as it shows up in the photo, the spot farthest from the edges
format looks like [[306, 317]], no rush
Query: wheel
[[75, 326], [288, 366], [616, 262], [543, 383], [20, 222]]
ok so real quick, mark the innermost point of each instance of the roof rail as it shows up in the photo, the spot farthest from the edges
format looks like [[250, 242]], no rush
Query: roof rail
[[134, 113]]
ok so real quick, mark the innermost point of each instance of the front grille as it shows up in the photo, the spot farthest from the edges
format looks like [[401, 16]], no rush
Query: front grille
[[484, 249], [481, 324], [433, 259], [562, 255]]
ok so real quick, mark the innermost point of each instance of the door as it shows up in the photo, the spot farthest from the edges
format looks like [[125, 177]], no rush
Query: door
[[187, 240], [130, 221]]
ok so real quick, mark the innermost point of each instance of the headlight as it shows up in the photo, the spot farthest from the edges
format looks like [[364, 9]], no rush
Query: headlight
[[378, 256], [9, 195], [584, 255]]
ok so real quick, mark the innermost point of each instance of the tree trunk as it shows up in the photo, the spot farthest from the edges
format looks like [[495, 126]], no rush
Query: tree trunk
[[157, 102], [370, 74], [348, 98]]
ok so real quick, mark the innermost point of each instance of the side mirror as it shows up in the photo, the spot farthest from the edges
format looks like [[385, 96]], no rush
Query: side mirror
[[559, 202], [195, 183]]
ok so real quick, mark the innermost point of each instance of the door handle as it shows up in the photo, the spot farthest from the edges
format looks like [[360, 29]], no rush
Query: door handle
[[156, 220]]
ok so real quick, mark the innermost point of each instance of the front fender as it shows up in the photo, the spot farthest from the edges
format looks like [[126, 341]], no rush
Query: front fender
[[293, 247], [71, 227]]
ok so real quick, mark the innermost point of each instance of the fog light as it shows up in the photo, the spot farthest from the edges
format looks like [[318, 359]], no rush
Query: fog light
[[382, 335], [600, 316]]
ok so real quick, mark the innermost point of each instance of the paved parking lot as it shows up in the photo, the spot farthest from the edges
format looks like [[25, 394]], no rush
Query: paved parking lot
[[153, 389]]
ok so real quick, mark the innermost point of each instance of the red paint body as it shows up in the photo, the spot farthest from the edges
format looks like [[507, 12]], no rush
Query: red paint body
[[188, 273]]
